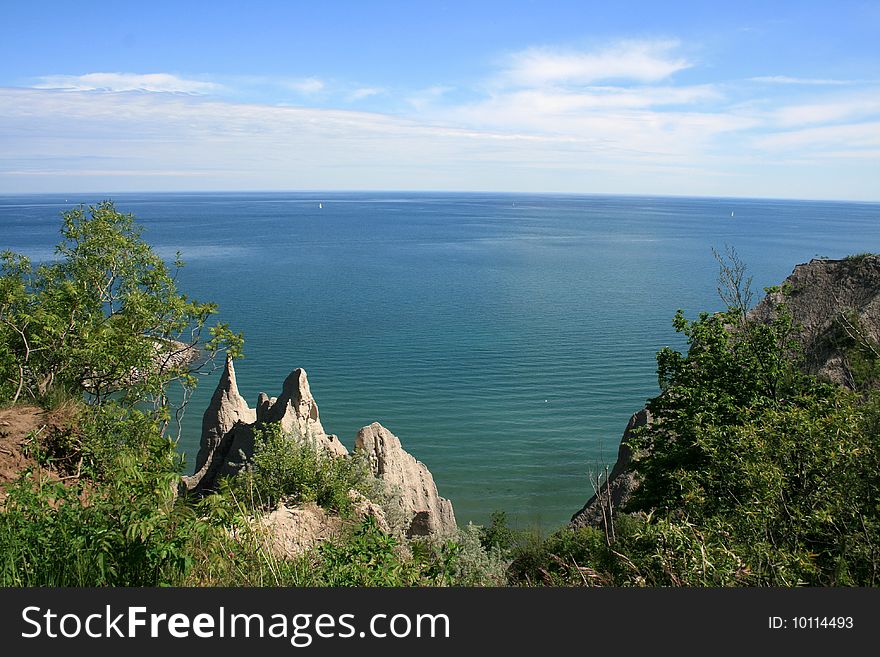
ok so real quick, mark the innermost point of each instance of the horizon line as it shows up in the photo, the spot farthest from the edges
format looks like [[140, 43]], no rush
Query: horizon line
[[441, 191]]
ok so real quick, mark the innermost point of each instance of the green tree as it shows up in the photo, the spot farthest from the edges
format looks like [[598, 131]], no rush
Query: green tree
[[105, 318], [781, 467], [730, 373]]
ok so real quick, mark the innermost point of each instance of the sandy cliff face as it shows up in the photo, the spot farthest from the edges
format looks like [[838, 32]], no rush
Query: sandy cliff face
[[411, 481], [826, 299]]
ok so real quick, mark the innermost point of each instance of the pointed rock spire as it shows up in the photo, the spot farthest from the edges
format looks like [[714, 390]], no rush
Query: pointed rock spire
[[297, 411], [226, 408], [228, 426]]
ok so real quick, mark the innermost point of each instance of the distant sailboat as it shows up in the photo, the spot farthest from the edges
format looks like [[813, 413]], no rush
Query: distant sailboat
[[731, 214], [320, 206]]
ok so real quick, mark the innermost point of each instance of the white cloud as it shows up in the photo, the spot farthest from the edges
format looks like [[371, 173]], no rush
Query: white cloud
[[154, 82], [639, 61], [364, 92], [784, 79], [306, 86], [828, 111], [537, 106], [426, 97], [855, 137]]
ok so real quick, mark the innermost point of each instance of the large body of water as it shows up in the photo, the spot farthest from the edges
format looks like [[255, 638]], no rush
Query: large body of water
[[505, 338]]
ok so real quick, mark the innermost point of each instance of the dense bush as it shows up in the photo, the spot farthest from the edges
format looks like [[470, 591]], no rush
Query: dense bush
[[293, 469], [785, 467], [122, 528]]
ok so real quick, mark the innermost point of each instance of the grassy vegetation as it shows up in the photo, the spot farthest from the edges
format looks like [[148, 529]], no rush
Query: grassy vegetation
[[292, 470], [121, 523]]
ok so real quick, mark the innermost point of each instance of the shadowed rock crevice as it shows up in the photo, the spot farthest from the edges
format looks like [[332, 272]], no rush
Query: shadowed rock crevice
[[621, 481]]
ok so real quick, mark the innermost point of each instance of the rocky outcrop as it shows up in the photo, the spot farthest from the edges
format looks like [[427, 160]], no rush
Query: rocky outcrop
[[622, 481], [169, 357], [829, 300], [408, 480], [172, 355], [228, 426], [288, 531], [228, 434], [226, 410], [364, 508]]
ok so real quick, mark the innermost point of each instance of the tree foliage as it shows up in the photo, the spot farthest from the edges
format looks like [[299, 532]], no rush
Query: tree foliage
[[104, 318], [744, 446]]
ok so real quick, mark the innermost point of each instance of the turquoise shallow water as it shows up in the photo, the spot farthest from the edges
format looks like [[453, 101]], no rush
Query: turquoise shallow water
[[505, 338]]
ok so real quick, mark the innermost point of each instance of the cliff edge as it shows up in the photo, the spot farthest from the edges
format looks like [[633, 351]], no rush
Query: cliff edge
[[831, 302]]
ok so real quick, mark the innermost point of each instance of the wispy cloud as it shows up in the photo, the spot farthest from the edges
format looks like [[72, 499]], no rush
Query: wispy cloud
[[828, 110], [426, 97], [841, 139], [635, 113], [306, 86], [784, 79], [152, 82], [640, 61], [555, 107], [365, 92]]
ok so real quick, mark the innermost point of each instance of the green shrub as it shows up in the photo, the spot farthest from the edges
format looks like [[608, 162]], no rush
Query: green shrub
[[476, 564], [295, 470], [124, 529], [368, 557], [753, 472], [498, 536], [459, 560]]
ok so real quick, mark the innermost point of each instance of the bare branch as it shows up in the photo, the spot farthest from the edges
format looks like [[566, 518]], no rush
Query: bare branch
[[734, 287]]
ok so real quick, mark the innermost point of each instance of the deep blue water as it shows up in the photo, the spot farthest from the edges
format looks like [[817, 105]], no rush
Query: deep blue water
[[505, 338]]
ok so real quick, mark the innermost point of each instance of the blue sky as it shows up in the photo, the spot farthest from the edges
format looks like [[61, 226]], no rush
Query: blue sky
[[778, 99]]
